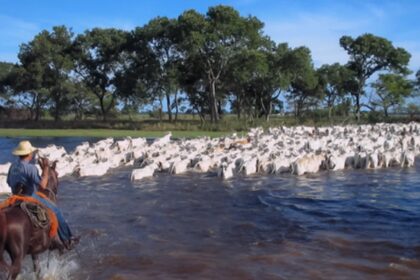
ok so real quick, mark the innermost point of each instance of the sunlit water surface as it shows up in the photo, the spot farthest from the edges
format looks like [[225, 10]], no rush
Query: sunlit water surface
[[354, 224]]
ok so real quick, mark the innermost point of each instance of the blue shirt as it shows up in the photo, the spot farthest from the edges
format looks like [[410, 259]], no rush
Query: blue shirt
[[26, 173]]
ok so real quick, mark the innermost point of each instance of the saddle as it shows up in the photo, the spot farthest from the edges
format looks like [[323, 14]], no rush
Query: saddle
[[40, 215]]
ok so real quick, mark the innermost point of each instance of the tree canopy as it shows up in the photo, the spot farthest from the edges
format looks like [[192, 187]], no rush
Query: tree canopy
[[217, 61]]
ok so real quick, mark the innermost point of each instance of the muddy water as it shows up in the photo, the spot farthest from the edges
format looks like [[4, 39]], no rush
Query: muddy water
[[355, 224]]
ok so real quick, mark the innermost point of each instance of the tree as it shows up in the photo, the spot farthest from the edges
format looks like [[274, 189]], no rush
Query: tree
[[305, 88], [99, 59], [412, 110], [160, 34], [211, 42], [44, 73], [391, 90], [335, 80], [370, 54], [58, 67], [416, 82], [5, 69], [258, 77], [137, 82]]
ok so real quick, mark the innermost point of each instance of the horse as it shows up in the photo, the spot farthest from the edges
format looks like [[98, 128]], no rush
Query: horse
[[18, 236]]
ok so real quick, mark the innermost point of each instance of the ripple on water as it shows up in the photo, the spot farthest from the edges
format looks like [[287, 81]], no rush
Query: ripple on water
[[352, 224]]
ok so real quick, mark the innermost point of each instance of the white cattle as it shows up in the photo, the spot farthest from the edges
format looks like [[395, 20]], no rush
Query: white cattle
[[179, 166], [336, 161], [65, 166], [4, 168], [81, 149], [407, 159], [52, 152], [138, 142], [226, 170], [145, 172], [308, 164], [159, 142], [360, 160], [4, 187], [103, 144], [98, 169], [247, 164], [123, 145], [203, 164], [280, 165]]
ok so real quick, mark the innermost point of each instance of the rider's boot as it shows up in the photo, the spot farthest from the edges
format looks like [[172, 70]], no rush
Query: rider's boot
[[57, 244]]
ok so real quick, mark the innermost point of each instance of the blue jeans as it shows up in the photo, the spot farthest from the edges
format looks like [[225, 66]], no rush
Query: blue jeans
[[63, 228]]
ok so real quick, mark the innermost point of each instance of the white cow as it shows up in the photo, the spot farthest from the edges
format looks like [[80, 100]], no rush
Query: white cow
[[4, 168], [145, 172], [308, 164], [4, 187], [226, 170]]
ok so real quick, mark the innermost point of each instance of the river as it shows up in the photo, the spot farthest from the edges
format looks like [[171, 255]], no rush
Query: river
[[352, 224]]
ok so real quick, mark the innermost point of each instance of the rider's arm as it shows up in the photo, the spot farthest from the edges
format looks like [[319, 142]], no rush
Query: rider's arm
[[40, 181]]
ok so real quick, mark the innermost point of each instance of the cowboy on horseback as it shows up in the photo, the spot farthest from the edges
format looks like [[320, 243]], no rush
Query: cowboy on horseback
[[23, 178]]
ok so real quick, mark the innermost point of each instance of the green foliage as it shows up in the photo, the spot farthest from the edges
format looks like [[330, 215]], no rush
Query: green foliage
[[305, 89], [99, 61], [391, 90], [201, 63], [370, 54], [209, 44]]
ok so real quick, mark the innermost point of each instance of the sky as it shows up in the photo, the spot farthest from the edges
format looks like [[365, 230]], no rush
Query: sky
[[312, 23]]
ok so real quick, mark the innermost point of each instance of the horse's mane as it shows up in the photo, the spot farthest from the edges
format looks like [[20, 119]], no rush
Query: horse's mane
[[52, 186]]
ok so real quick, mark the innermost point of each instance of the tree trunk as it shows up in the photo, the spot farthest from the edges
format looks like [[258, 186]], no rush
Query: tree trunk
[[358, 107], [160, 109], [57, 110], [101, 103], [213, 103], [176, 106], [238, 107], [168, 101], [330, 112], [270, 108]]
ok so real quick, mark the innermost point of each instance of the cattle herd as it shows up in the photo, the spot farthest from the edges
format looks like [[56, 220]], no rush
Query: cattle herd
[[297, 150]]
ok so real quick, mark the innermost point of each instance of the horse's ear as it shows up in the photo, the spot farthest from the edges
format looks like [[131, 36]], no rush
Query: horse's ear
[[54, 164]]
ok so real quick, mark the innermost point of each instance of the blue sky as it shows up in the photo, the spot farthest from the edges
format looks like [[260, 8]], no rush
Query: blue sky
[[316, 24]]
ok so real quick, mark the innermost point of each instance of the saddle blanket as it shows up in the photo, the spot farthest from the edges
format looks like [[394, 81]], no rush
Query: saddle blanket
[[39, 214]]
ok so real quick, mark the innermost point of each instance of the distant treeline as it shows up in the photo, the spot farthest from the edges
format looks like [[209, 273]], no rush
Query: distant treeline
[[201, 64]]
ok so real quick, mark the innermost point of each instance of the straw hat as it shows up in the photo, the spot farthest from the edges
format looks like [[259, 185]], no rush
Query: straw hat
[[24, 148]]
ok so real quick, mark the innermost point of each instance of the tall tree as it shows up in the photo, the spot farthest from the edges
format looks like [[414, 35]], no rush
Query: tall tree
[[5, 69], [160, 34], [335, 80], [391, 90], [305, 88], [211, 41], [257, 77], [99, 60], [138, 80], [370, 54]]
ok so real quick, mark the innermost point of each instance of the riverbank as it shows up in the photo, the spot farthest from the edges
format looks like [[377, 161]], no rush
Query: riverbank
[[105, 133]]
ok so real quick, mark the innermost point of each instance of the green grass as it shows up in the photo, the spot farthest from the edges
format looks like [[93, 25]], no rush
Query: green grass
[[103, 133]]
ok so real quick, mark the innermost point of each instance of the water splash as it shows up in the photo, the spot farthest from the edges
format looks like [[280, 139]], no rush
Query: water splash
[[53, 267]]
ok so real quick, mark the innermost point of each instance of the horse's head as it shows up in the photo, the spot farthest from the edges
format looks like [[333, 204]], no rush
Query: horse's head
[[52, 186]]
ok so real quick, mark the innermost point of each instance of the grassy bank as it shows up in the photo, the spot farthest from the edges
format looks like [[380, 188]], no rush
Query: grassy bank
[[103, 133]]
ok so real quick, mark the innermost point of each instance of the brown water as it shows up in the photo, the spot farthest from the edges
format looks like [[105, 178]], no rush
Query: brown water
[[355, 224], [345, 225]]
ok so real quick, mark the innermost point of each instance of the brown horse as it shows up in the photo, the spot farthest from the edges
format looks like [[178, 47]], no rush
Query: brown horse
[[19, 237]]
